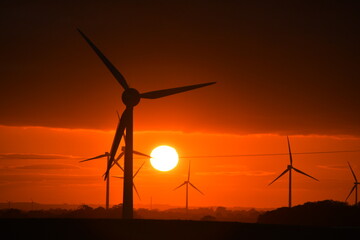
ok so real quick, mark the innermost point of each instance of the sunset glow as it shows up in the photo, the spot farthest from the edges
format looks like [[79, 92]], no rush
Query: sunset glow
[[280, 70], [43, 164]]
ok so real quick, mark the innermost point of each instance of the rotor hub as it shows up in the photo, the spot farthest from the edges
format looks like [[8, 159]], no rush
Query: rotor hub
[[131, 97]]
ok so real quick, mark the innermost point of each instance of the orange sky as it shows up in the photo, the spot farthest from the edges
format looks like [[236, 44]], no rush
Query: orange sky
[[46, 168], [281, 69]]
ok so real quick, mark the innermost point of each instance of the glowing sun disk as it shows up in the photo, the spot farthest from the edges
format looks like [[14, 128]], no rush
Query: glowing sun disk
[[164, 158]]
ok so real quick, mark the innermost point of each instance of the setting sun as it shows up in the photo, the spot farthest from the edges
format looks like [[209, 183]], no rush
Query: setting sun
[[164, 158]]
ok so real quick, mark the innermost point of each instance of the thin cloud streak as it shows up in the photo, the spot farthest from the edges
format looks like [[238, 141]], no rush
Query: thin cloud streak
[[48, 177], [47, 167], [270, 154], [333, 167], [36, 156], [237, 173]]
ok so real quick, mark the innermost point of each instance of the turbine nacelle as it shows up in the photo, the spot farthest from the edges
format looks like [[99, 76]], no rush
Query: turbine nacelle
[[131, 97], [289, 167]]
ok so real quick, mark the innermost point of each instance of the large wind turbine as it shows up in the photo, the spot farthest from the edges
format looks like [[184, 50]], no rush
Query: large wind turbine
[[289, 169], [187, 183], [130, 97], [354, 187]]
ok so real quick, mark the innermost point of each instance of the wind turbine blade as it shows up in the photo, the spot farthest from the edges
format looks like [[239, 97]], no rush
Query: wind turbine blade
[[179, 186], [352, 172], [116, 161], [171, 91], [196, 188], [117, 138], [289, 150], [117, 164], [138, 169], [279, 176], [97, 157], [118, 76], [137, 153], [118, 177], [141, 154], [137, 193], [189, 172], [120, 156], [297, 170], [351, 192]]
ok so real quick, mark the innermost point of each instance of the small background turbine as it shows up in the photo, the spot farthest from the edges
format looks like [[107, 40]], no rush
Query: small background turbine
[[107, 155], [289, 168], [355, 187], [187, 183]]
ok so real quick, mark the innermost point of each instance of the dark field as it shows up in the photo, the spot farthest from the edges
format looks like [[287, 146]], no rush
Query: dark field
[[162, 229]]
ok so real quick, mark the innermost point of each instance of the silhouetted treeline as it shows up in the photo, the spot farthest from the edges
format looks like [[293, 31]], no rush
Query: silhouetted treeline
[[205, 214], [322, 213], [85, 211], [29, 206]]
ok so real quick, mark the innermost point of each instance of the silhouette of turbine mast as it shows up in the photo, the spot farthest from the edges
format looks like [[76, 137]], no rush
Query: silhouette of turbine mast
[[130, 97], [289, 169], [187, 183], [354, 187]]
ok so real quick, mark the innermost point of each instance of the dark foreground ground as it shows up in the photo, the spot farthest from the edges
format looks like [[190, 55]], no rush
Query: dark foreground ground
[[162, 229]]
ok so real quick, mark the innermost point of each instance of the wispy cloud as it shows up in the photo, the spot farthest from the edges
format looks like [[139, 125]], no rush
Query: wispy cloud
[[47, 166], [336, 167], [35, 156], [236, 173], [62, 178]]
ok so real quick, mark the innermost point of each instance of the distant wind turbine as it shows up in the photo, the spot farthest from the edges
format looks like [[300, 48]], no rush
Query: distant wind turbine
[[115, 162], [289, 169], [354, 187], [107, 155], [130, 97], [187, 183], [137, 193]]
